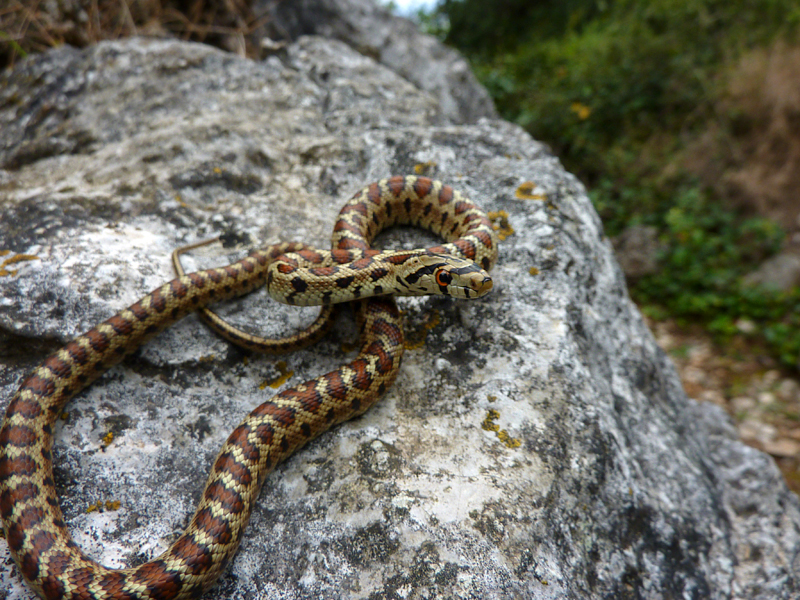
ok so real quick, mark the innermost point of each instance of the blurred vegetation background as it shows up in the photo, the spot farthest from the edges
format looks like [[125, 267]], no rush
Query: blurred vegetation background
[[682, 117]]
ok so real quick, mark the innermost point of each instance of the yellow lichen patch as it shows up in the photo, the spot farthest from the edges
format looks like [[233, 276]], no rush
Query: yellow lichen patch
[[526, 192], [490, 425], [507, 439], [101, 506], [108, 438], [533, 271], [180, 201], [499, 219], [489, 422], [425, 168], [278, 381], [581, 110], [415, 339], [13, 260], [217, 170]]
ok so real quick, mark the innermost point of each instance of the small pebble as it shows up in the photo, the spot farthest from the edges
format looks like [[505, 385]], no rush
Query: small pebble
[[783, 448], [713, 396], [743, 404], [766, 398], [771, 377], [788, 390], [695, 376], [755, 431]]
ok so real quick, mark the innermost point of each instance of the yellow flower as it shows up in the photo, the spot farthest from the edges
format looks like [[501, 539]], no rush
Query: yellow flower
[[581, 110]]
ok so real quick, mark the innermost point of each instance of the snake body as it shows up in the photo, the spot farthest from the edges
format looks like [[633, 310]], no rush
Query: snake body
[[34, 527]]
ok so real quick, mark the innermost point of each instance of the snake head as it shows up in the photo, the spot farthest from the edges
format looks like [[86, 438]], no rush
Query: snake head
[[442, 274]]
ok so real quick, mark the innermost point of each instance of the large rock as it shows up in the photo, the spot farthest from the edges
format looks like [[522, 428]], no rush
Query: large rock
[[537, 443], [393, 41], [780, 272]]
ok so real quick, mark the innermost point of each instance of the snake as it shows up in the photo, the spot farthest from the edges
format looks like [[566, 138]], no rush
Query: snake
[[38, 539]]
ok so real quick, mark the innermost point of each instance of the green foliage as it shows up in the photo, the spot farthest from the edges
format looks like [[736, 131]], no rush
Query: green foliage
[[615, 88], [707, 250], [487, 27], [635, 69]]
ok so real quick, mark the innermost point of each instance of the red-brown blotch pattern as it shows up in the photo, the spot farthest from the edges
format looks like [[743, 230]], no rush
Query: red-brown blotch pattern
[[35, 531]]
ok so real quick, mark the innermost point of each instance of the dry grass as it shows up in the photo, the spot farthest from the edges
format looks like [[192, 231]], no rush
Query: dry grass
[[31, 26], [751, 153]]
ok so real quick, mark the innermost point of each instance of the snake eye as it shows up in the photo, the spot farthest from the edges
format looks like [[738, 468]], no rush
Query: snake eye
[[443, 278]]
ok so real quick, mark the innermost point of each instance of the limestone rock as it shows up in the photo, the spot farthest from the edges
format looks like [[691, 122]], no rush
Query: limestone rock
[[781, 272], [537, 443], [393, 41]]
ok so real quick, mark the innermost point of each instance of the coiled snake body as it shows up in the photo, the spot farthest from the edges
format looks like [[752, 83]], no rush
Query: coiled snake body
[[34, 527]]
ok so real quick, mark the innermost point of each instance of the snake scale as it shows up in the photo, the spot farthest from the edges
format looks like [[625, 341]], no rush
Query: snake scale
[[37, 536]]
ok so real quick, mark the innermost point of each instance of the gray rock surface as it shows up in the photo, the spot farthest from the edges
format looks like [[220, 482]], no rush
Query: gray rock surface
[[391, 40], [637, 250], [537, 443], [781, 272]]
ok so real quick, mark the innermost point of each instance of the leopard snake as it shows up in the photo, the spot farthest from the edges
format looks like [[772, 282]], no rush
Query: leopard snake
[[37, 536]]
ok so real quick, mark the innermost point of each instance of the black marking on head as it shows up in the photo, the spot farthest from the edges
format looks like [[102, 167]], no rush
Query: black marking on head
[[299, 285], [416, 275], [472, 268]]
